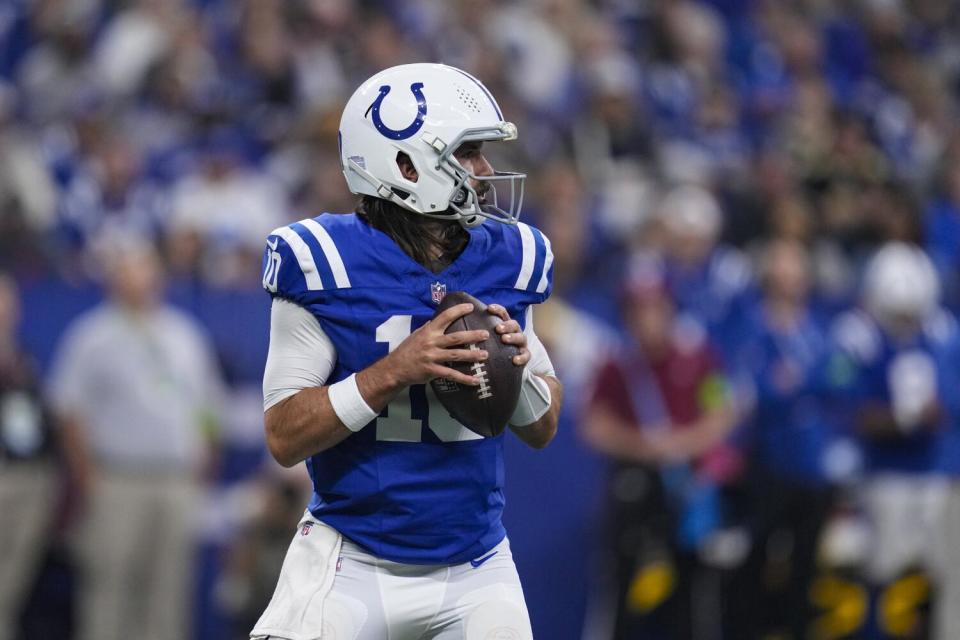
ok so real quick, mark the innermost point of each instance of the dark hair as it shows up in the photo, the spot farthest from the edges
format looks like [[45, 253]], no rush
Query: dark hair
[[420, 237]]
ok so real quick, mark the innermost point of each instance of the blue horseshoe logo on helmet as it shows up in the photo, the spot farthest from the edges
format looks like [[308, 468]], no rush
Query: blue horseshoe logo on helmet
[[402, 134]]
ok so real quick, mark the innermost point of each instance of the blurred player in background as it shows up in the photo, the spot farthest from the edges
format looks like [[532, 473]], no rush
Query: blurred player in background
[[136, 388], [28, 480], [898, 385], [403, 537]]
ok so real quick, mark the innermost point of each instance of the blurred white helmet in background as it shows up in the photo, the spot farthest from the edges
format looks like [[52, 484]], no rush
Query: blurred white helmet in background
[[691, 210], [900, 282], [426, 111]]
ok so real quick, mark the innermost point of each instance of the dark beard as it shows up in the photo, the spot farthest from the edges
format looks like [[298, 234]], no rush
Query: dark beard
[[420, 237]]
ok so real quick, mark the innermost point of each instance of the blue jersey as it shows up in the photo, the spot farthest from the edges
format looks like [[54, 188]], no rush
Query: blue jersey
[[791, 432], [942, 233], [870, 368], [716, 293], [951, 436], [414, 485]]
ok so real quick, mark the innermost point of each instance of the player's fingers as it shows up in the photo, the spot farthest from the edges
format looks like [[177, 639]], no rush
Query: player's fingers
[[460, 355], [510, 326], [462, 337], [440, 371], [446, 318], [498, 310], [522, 358], [517, 339]]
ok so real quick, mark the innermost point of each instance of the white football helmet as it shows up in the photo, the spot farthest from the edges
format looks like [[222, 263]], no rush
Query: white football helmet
[[426, 111], [900, 281]]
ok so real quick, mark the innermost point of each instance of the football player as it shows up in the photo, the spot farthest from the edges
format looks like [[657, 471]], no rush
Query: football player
[[893, 366], [403, 537]]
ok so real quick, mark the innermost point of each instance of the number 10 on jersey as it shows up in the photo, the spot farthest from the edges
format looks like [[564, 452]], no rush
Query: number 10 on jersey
[[401, 424]]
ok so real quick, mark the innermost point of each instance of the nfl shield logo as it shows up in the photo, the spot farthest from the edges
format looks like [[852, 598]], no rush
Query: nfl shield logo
[[306, 528], [437, 291]]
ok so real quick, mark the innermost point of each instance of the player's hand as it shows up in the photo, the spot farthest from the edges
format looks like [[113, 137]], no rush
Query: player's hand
[[663, 447], [511, 333], [424, 354]]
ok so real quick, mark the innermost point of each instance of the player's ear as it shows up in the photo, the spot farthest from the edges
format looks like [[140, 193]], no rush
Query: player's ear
[[407, 170]]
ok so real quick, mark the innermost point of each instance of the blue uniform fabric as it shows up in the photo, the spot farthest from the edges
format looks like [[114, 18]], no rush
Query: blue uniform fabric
[[950, 362], [791, 431], [430, 496], [942, 233], [715, 293], [863, 368]]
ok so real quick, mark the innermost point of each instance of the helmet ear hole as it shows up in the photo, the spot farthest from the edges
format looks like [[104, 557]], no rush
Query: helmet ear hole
[[407, 169]]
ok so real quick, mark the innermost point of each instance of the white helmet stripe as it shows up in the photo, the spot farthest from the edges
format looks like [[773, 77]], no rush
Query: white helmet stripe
[[330, 252], [529, 256], [303, 255]]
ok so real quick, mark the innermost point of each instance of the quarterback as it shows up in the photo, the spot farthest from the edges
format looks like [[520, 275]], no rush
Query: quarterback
[[403, 536]]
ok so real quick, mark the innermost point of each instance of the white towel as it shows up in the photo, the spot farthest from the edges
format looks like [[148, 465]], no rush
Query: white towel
[[296, 610]]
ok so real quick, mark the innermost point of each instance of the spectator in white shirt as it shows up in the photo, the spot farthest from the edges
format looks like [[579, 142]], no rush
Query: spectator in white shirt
[[136, 386]]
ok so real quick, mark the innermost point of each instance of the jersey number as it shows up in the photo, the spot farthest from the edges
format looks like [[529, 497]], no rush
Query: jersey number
[[271, 270], [401, 424]]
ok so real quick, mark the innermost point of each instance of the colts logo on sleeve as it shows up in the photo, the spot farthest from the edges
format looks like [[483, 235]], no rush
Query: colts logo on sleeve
[[399, 134]]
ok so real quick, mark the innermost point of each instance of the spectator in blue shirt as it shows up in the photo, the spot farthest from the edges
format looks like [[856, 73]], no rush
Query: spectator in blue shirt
[[794, 449]]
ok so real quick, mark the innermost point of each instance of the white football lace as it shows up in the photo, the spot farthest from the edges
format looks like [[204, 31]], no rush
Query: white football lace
[[480, 371]]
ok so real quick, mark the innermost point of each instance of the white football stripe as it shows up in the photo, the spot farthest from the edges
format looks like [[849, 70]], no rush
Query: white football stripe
[[546, 265], [529, 256], [304, 257], [330, 251]]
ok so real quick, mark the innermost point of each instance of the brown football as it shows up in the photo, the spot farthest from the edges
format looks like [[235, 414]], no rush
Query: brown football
[[485, 408]]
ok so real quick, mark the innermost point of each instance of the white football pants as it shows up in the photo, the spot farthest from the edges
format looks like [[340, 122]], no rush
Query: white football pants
[[329, 588], [907, 513]]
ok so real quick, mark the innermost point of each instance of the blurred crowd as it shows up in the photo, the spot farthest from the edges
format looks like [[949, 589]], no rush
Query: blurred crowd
[[754, 208]]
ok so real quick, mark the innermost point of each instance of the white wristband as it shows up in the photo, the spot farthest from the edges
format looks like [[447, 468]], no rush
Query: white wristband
[[534, 400], [349, 405]]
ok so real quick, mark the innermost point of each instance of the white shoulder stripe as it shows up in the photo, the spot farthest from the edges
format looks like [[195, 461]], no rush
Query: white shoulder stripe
[[529, 256], [330, 251], [303, 255], [547, 262]]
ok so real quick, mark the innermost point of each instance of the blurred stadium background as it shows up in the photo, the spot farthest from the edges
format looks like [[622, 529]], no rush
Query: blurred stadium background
[[715, 177]]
